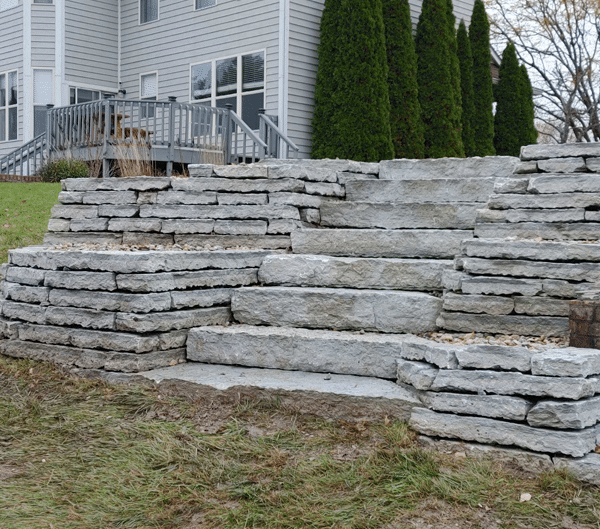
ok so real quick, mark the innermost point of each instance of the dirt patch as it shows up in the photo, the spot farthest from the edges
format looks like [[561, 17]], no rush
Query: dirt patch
[[9, 471]]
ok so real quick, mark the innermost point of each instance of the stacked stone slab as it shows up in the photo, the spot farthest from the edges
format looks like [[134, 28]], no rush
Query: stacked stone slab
[[536, 247], [545, 401], [375, 265], [116, 310]]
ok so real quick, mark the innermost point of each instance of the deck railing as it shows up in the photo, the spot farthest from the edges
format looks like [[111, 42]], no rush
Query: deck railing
[[27, 159], [278, 144]]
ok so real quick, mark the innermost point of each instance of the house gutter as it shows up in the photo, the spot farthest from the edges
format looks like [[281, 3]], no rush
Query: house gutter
[[284, 64]]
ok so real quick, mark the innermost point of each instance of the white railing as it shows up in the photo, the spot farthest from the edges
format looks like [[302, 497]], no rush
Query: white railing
[[27, 159]]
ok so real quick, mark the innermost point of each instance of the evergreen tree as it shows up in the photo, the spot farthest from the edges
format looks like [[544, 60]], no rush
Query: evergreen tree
[[466, 81], [483, 98], [508, 124], [405, 116], [352, 106], [529, 132], [434, 75], [455, 71]]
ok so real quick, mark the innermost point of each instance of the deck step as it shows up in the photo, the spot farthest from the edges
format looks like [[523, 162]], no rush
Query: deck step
[[337, 308], [421, 244], [399, 216], [437, 191], [339, 396], [354, 272], [344, 353]]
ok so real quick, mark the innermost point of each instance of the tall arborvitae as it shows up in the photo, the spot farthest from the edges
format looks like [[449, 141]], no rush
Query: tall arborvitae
[[509, 109], [352, 114], [455, 70], [436, 92], [529, 133], [405, 117], [466, 79], [323, 137], [483, 98]]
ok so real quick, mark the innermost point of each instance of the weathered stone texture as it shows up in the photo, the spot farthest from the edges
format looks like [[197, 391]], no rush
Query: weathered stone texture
[[111, 301], [240, 227], [493, 406], [494, 357], [541, 306], [172, 321], [549, 201], [219, 212], [81, 280], [586, 469], [236, 199], [570, 415], [490, 166], [562, 165], [478, 304], [499, 286], [25, 294], [419, 375], [185, 197], [227, 185], [201, 298], [567, 362], [140, 183], [139, 225], [86, 318], [532, 250], [188, 226], [25, 276], [566, 150], [234, 242], [441, 355], [510, 185], [581, 183], [533, 230]]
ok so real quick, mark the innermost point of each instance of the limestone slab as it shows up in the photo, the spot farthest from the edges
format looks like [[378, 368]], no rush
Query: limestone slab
[[398, 216], [200, 170], [296, 349], [581, 183], [533, 250], [324, 189], [494, 357], [565, 415], [549, 201], [380, 243], [493, 431], [129, 224], [371, 310], [188, 226], [567, 362], [493, 406], [259, 242], [25, 275], [74, 212], [593, 164], [111, 301], [81, 280], [304, 172], [24, 311], [348, 272], [228, 199], [88, 237], [139, 183], [310, 215], [86, 318], [419, 375], [283, 226], [185, 197], [109, 197], [25, 294], [526, 168], [440, 355], [565, 150], [171, 321], [586, 469], [562, 165], [531, 215], [474, 285], [438, 191], [96, 224], [140, 238], [452, 279], [220, 212], [532, 230], [118, 211], [240, 227], [9, 329], [510, 324], [228, 185], [510, 185], [165, 282], [296, 199], [59, 225], [541, 306], [201, 298], [70, 197], [241, 171], [475, 167], [592, 216], [558, 288], [478, 303], [147, 197]]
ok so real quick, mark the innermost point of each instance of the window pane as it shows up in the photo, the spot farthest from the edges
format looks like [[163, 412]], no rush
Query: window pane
[[149, 88], [85, 96], [42, 1], [148, 10], [2, 90], [39, 120], [253, 72], [42, 87], [72, 98], [201, 4], [227, 76], [12, 88], [12, 123], [221, 103], [251, 104], [201, 81], [7, 4], [2, 125]]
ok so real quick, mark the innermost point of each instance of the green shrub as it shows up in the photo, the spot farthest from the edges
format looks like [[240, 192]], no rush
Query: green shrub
[[57, 170], [529, 133], [466, 82]]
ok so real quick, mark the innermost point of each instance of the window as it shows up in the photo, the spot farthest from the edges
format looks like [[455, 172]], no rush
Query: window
[[149, 92], [148, 11], [8, 4], [203, 4], [8, 106], [239, 81], [43, 94], [84, 95], [43, 1]]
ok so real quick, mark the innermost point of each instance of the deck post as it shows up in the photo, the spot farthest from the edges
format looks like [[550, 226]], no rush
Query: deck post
[[172, 100], [107, 127], [228, 134], [49, 135]]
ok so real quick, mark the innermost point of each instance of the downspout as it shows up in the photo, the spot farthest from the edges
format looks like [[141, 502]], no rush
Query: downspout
[[27, 74], [119, 45], [284, 64], [61, 90]]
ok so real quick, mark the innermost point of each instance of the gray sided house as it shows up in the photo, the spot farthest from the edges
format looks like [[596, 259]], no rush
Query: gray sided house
[[251, 54]]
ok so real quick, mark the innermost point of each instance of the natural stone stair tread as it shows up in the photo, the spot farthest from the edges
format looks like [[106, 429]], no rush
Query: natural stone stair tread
[[543, 152], [531, 249], [349, 272], [336, 308], [441, 244], [399, 216], [438, 190], [297, 349], [569, 231], [474, 167], [492, 431]]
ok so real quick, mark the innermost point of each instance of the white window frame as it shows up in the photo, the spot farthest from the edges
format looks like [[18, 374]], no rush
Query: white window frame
[[6, 107], [33, 104], [140, 23], [102, 91], [151, 110], [37, 2], [202, 8], [239, 93], [11, 6]]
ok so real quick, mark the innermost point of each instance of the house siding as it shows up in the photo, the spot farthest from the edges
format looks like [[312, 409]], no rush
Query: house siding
[[91, 43], [43, 33], [183, 36], [12, 59]]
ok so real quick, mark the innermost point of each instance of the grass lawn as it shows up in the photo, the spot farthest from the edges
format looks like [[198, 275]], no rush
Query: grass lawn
[[24, 214], [82, 454]]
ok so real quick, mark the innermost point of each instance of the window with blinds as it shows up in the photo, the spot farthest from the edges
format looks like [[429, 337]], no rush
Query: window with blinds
[[149, 92], [9, 97], [203, 4], [148, 11]]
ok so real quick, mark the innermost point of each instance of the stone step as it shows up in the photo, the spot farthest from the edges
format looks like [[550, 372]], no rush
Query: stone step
[[399, 216], [338, 309], [436, 244], [557, 231], [344, 353], [350, 272], [418, 191], [340, 396], [531, 250], [490, 166]]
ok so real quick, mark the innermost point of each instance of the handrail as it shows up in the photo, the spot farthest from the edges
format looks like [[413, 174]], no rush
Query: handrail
[[259, 147], [27, 158], [273, 135]]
